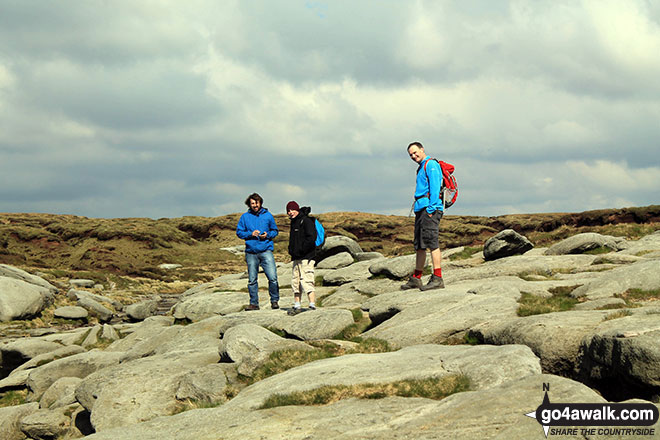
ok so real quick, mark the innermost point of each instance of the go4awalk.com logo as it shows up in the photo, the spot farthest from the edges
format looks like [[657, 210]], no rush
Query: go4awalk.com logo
[[589, 419]]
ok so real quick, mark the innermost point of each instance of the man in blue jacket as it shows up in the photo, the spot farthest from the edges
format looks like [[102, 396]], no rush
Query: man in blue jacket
[[428, 212], [257, 227]]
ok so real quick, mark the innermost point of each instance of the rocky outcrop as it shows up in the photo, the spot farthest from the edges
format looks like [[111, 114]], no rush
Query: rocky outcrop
[[21, 299], [506, 244]]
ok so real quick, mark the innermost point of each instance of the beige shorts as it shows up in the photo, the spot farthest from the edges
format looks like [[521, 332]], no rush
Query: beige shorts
[[302, 279]]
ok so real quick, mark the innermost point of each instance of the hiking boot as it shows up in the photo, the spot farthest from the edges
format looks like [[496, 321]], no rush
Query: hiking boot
[[312, 307], [251, 307], [413, 283], [274, 305], [294, 311], [435, 282]]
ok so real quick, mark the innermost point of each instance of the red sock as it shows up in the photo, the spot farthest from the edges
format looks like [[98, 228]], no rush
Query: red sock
[[417, 274], [437, 272]]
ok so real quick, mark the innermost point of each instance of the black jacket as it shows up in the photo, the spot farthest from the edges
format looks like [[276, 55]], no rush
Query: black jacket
[[302, 238]]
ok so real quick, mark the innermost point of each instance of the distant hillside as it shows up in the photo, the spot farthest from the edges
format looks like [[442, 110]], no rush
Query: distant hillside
[[135, 247]]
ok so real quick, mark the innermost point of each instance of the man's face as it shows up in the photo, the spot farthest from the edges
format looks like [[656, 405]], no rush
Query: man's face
[[292, 213], [255, 205], [416, 154]]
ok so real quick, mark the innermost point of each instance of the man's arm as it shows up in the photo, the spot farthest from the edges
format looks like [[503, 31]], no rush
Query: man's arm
[[434, 174], [272, 228], [242, 231], [309, 240]]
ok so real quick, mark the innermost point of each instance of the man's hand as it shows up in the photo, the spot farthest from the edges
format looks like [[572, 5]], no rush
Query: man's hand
[[256, 233], [263, 235]]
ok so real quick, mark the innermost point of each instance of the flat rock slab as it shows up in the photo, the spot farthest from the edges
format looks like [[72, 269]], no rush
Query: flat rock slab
[[496, 412], [416, 362], [71, 312], [644, 275], [315, 324], [435, 316], [206, 304]]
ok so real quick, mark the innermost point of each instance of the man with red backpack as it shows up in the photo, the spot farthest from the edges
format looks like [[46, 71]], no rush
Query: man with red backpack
[[428, 209]]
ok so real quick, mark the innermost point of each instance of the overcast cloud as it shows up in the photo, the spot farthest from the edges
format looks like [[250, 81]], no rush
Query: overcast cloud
[[167, 108]]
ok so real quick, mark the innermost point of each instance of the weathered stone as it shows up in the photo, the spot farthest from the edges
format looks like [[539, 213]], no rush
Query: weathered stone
[[20, 274], [581, 243], [79, 365], [95, 308], [397, 267], [43, 359], [206, 304], [169, 266], [92, 337], [76, 295], [337, 244], [437, 317], [60, 393], [15, 353], [365, 256], [20, 299], [622, 357], [142, 310], [249, 346], [45, 424], [315, 324], [354, 272], [140, 389], [204, 384], [82, 283], [505, 244], [71, 312], [10, 418], [336, 261], [554, 337], [644, 275]]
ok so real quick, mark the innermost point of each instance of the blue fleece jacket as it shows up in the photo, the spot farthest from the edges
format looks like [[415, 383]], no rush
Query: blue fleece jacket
[[262, 221], [427, 188]]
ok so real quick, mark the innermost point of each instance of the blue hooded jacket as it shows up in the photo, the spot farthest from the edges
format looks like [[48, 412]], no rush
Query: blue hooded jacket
[[427, 186], [263, 221]]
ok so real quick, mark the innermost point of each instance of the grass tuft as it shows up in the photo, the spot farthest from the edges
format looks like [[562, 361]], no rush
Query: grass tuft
[[432, 388], [560, 301]]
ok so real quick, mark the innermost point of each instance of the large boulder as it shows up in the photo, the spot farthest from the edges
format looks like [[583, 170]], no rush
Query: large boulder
[[555, 338], [142, 310], [10, 419], [349, 274], [397, 267], [315, 324], [79, 365], [140, 389], [20, 274], [622, 357], [336, 261], [337, 244], [581, 243], [15, 353], [249, 346], [20, 299], [505, 244], [205, 304]]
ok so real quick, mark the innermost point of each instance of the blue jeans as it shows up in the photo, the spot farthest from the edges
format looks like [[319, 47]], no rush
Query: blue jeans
[[264, 259]]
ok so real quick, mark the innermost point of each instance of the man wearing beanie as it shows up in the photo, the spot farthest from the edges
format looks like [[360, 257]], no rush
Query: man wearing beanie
[[302, 248]]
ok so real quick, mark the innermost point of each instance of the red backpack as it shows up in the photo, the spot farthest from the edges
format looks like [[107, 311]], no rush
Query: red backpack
[[449, 188]]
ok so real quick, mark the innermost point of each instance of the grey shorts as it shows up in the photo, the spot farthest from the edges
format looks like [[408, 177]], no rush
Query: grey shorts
[[427, 230]]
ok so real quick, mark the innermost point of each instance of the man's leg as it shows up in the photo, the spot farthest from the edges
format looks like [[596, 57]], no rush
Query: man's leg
[[420, 260], [308, 281], [252, 261], [436, 259], [270, 269], [296, 282]]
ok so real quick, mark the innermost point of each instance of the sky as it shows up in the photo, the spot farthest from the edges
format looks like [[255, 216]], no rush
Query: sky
[[145, 108]]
